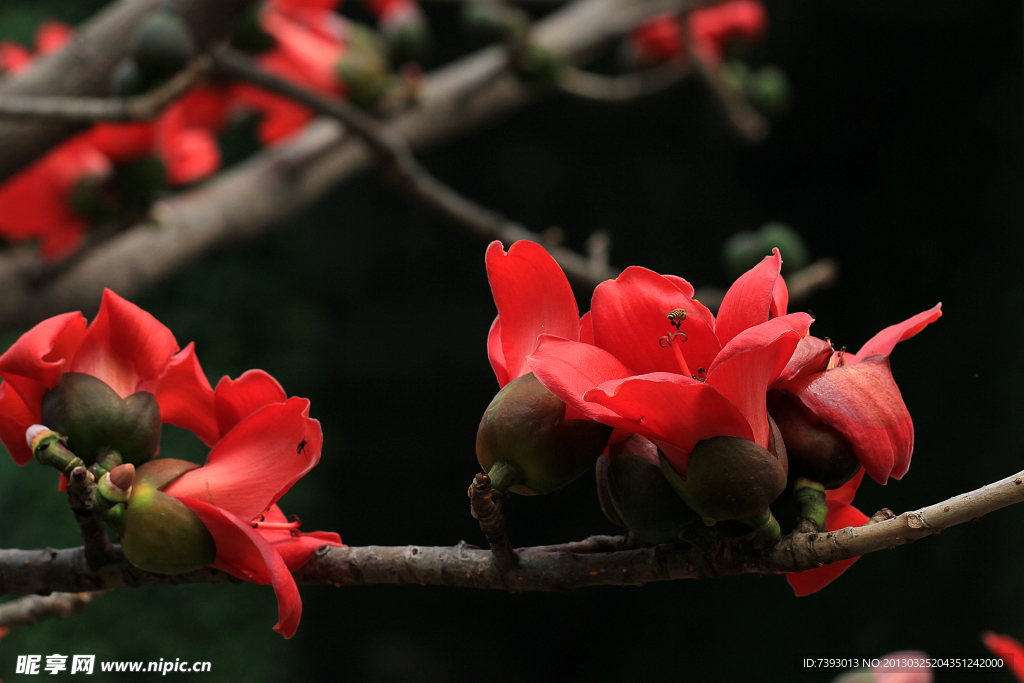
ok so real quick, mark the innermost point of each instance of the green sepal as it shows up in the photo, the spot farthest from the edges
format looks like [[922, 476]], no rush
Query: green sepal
[[159, 473], [525, 426], [96, 420], [810, 497], [162, 535]]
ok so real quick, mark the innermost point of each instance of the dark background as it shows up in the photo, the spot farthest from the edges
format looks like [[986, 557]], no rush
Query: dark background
[[901, 157]]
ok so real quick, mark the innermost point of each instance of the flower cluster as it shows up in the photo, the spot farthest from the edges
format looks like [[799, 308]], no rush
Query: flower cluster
[[656, 365], [708, 31], [112, 171], [102, 382]]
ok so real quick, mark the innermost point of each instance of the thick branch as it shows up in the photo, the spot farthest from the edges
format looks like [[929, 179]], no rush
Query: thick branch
[[597, 561], [84, 65], [250, 199]]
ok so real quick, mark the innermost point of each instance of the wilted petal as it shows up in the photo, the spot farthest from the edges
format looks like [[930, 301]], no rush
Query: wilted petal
[[124, 346], [533, 298], [257, 461], [244, 553], [630, 316], [863, 402], [882, 343], [811, 355], [749, 300]]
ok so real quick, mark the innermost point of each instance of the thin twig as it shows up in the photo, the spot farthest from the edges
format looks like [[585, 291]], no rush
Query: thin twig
[[99, 551], [544, 568], [488, 513], [143, 107], [32, 609], [625, 87], [744, 119]]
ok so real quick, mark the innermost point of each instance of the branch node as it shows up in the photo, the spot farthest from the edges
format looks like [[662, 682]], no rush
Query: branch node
[[488, 513]]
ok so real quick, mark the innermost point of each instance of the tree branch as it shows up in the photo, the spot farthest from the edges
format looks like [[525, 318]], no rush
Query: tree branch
[[625, 87], [32, 609], [597, 561], [250, 199], [137, 108]]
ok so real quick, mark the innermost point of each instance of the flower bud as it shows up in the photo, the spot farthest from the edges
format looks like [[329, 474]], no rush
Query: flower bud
[[116, 485], [161, 535], [642, 497], [96, 420], [768, 91], [526, 444], [816, 450], [162, 46]]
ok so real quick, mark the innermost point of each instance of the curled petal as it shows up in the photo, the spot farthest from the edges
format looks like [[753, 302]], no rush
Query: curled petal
[[863, 402], [630, 316], [124, 346], [495, 354], [671, 408], [41, 356], [811, 355], [533, 298], [840, 515], [245, 553], [237, 399], [882, 343], [257, 461], [185, 396], [749, 364], [749, 301]]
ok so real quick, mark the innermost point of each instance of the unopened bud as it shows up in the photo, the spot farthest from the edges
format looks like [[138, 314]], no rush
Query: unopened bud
[[36, 433], [116, 485]]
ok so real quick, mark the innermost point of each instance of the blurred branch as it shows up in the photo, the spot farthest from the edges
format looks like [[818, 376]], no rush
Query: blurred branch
[[622, 88], [745, 120], [251, 198], [600, 560], [137, 108], [82, 68], [32, 609]]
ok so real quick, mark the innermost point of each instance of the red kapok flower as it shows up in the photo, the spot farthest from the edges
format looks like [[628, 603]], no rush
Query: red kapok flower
[[235, 493], [856, 394], [712, 28], [704, 378], [124, 346], [841, 514], [657, 40], [1009, 649]]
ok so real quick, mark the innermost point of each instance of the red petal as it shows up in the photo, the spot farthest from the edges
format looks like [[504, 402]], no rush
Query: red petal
[[749, 364], [41, 356], [682, 285], [237, 399], [671, 408], [257, 461], [780, 298], [749, 301], [839, 516], [14, 58], [124, 346], [587, 328], [495, 354], [533, 298], [296, 548], [304, 56], [630, 315], [190, 154], [52, 36], [811, 356], [846, 492], [1011, 651], [863, 402], [185, 396], [124, 142], [570, 369], [244, 553], [15, 418], [882, 343]]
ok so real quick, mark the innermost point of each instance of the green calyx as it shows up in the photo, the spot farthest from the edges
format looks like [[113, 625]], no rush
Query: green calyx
[[810, 498], [97, 421], [161, 535], [728, 478], [525, 429]]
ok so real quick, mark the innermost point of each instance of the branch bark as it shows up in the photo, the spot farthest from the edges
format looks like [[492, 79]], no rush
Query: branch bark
[[84, 65], [597, 561], [250, 199]]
